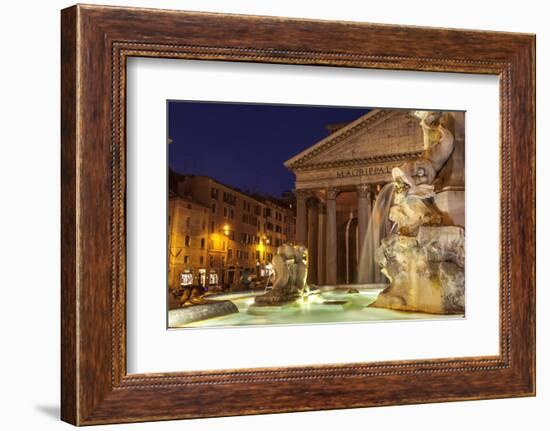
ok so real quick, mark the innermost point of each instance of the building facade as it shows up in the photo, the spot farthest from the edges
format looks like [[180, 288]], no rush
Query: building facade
[[221, 236], [340, 179]]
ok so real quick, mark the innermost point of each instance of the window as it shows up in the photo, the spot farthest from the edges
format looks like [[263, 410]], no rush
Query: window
[[204, 225], [225, 211], [229, 198], [211, 260], [202, 243], [214, 193], [185, 259], [267, 212], [212, 244], [187, 241], [214, 208], [212, 227], [202, 260], [231, 213], [186, 278], [278, 228], [187, 221], [229, 253], [258, 254]]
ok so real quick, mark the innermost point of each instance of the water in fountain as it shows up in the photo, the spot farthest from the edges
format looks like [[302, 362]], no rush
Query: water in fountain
[[376, 231]]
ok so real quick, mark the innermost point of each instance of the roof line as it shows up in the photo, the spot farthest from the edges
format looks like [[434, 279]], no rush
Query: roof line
[[338, 135]]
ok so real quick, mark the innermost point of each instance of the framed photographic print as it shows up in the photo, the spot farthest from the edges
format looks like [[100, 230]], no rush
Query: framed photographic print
[[287, 207]]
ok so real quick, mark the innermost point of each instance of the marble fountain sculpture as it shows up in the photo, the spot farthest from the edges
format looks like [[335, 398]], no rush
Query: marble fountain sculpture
[[289, 277], [424, 259]]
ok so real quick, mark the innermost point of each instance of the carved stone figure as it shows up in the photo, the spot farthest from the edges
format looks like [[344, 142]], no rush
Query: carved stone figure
[[413, 212], [419, 175], [426, 272], [415, 178], [289, 278], [424, 261]]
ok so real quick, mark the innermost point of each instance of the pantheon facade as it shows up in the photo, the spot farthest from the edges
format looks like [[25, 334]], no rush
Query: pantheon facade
[[338, 180]]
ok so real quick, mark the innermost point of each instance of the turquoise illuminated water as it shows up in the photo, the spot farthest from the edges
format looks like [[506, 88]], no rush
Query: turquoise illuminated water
[[334, 306]]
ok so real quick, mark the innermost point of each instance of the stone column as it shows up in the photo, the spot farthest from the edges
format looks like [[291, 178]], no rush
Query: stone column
[[364, 208], [376, 240], [331, 241], [301, 217], [312, 223], [321, 247]]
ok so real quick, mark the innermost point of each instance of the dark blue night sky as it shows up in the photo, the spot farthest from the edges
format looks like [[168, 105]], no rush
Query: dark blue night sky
[[245, 145]]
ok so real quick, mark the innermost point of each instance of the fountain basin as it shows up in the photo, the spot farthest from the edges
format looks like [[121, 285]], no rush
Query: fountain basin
[[325, 305], [200, 312]]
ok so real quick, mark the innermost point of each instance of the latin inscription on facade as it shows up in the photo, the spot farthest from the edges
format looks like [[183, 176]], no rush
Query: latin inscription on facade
[[363, 172]]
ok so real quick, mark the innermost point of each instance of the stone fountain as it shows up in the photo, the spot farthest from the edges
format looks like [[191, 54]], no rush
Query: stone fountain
[[424, 259], [289, 276]]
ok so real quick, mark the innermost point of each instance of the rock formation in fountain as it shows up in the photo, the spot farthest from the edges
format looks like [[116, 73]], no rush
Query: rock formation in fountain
[[424, 260], [289, 278]]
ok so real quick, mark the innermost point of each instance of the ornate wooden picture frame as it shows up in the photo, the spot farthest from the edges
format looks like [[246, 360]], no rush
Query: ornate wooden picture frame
[[96, 41]]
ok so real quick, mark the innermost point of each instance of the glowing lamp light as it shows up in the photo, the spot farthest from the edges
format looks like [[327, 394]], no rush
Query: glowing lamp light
[[226, 229]]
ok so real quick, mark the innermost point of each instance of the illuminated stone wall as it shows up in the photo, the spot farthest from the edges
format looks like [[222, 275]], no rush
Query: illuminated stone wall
[[240, 232]]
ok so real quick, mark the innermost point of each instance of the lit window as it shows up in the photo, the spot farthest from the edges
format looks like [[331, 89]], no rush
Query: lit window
[[186, 278], [213, 278]]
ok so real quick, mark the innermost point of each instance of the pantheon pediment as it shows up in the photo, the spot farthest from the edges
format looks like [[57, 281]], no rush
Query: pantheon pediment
[[378, 136], [363, 152]]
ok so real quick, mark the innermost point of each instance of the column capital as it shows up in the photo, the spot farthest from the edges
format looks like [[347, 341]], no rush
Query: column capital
[[302, 194], [364, 190], [332, 193]]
